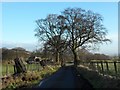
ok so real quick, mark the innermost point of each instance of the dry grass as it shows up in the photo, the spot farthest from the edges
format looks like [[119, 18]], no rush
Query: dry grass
[[29, 79]]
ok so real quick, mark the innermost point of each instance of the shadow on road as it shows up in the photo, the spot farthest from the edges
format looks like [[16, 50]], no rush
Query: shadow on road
[[66, 77]]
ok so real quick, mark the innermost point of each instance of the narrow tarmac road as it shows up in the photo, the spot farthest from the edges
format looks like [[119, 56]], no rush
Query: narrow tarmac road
[[66, 77]]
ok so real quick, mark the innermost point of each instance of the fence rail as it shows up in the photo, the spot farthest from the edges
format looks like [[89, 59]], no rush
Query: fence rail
[[104, 67]]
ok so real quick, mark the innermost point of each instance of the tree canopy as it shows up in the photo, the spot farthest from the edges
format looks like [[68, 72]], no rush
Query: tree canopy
[[75, 27]]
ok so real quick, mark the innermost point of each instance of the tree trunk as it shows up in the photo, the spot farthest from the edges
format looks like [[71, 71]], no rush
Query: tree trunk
[[75, 58], [57, 57]]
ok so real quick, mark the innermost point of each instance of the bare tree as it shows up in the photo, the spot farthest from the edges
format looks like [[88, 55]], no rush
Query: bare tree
[[75, 26], [51, 30], [84, 29]]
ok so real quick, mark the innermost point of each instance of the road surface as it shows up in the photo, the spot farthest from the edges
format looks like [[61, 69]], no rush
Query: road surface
[[66, 77]]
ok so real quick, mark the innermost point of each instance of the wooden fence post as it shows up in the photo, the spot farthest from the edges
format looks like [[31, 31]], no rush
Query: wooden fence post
[[107, 66], [32, 67], [6, 69], [97, 66], [102, 68], [38, 67], [28, 67], [115, 66]]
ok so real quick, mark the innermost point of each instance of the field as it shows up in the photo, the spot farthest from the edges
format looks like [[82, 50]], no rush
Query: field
[[9, 69], [111, 69], [105, 67]]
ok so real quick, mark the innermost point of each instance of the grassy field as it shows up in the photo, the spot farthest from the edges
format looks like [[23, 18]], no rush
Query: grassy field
[[9, 69], [110, 70]]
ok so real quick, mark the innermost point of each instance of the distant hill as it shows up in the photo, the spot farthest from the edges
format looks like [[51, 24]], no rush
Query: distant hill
[[11, 54]]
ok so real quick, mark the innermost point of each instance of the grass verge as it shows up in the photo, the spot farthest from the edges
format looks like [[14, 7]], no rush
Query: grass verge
[[27, 80], [98, 80]]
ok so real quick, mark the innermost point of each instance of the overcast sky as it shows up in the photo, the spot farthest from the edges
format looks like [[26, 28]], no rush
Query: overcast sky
[[18, 21]]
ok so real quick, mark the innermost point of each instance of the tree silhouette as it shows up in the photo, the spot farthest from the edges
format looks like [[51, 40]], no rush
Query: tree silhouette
[[84, 29], [75, 26], [51, 30]]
